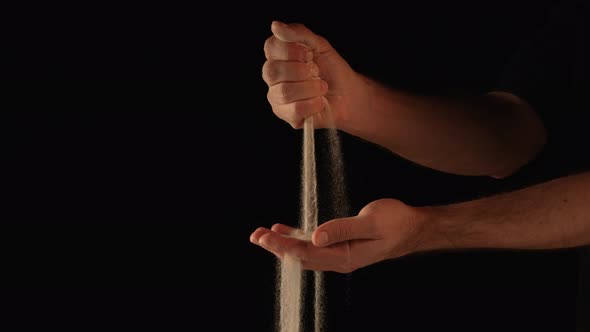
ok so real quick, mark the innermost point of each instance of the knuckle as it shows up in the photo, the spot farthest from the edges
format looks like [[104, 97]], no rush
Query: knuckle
[[281, 113], [295, 116], [285, 92], [303, 108], [264, 69], [299, 109], [267, 45], [371, 225], [343, 232], [277, 111], [269, 97], [295, 121], [264, 241], [270, 72]]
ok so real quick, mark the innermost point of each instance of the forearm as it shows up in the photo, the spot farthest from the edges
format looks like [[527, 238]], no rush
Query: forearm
[[551, 215], [483, 135]]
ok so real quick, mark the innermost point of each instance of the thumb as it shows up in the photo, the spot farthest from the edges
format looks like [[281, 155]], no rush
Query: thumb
[[299, 33], [344, 229]]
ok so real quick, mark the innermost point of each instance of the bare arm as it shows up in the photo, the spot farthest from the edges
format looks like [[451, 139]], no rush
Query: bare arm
[[494, 134], [554, 214], [551, 215]]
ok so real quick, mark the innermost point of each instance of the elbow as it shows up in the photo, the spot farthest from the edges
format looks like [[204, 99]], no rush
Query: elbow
[[522, 153], [524, 138]]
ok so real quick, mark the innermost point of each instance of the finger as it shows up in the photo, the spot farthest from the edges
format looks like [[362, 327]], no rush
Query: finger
[[334, 258], [274, 71], [257, 234], [344, 229], [299, 33], [288, 92], [279, 244], [294, 113], [333, 266], [276, 49], [283, 229]]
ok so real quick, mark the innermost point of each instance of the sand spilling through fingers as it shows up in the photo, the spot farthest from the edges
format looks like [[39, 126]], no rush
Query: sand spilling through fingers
[[291, 278]]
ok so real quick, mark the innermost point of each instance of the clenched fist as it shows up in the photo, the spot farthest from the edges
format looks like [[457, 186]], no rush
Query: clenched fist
[[307, 77]]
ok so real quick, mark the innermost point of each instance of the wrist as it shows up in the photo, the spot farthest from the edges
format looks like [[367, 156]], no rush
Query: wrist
[[359, 103], [440, 228]]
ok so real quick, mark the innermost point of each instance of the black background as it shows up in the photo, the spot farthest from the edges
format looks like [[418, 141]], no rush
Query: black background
[[139, 153]]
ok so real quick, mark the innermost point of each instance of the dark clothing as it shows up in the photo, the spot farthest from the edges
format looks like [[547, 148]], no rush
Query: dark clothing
[[551, 72]]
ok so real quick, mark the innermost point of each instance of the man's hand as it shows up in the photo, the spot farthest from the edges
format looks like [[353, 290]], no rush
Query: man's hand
[[384, 229], [493, 134], [307, 77]]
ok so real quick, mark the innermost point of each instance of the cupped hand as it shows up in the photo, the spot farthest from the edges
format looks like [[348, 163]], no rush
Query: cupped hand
[[384, 229], [307, 77]]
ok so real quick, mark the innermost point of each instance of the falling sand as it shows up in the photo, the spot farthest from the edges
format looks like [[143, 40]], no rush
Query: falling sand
[[291, 278]]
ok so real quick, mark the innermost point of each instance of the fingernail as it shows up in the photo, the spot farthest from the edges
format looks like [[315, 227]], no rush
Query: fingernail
[[324, 85], [322, 239]]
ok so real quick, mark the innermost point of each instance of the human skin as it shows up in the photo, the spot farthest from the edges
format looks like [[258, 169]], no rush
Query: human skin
[[550, 215], [492, 135]]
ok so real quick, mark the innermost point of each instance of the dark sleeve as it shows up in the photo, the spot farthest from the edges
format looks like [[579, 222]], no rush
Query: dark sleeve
[[540, 72]]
